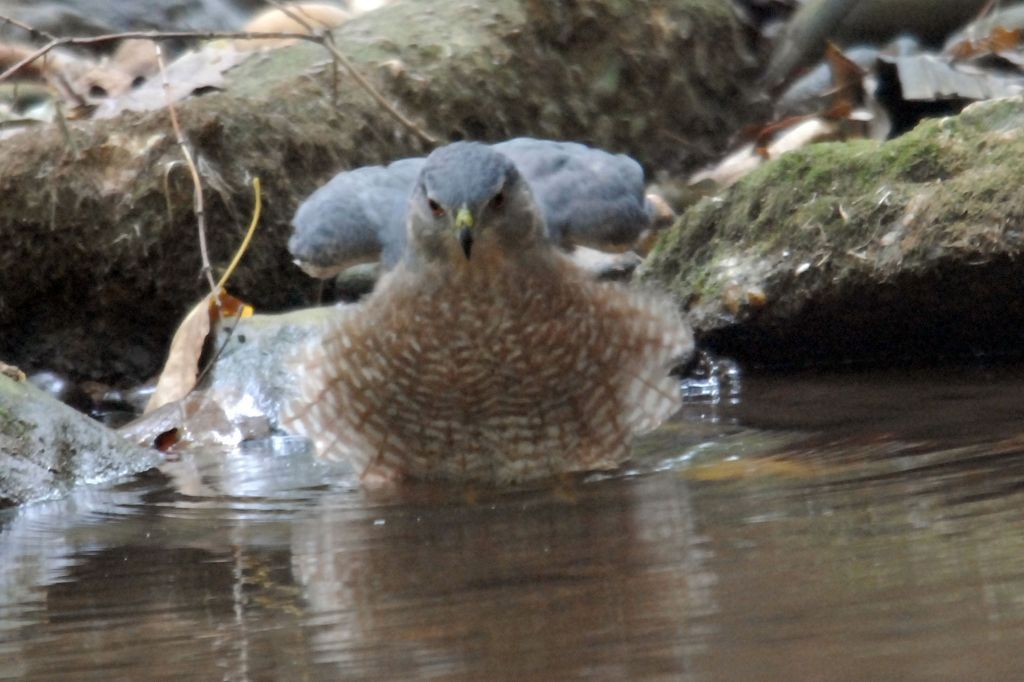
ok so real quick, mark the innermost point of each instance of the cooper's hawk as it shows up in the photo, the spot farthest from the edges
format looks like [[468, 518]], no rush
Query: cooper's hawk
[[485, 354]]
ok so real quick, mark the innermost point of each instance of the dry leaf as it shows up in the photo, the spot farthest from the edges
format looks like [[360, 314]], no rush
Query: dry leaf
[[195, 71], [999, 40], [11, 54], [11, 372], [847, 80], [182, 367], [727, 172], [800, 131], [276, 20], [230, 307]]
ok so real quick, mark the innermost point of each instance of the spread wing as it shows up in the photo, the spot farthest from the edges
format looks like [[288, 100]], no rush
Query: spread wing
[[357, 217], [587, 196]]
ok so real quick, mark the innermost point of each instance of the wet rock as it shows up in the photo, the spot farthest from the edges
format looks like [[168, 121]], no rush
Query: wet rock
[[863, 251], [114, 407], [251, 367], [240, 397], [60, 387], [46, 447]]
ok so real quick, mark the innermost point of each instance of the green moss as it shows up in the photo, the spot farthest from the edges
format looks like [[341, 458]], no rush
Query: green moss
[[863, 249], [992, 116], [833, 187], [835, 216], [11, 426]]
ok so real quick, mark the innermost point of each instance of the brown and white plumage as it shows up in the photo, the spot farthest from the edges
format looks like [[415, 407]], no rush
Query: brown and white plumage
[[498, 361]]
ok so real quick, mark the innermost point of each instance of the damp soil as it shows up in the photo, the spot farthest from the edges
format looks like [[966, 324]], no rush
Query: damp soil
[[813, 526]]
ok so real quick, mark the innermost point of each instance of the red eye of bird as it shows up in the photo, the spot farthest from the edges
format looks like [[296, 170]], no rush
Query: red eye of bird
[[435, 208], [499, 200]]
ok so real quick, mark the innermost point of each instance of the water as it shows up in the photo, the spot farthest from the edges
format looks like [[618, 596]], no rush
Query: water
[[839, 527]]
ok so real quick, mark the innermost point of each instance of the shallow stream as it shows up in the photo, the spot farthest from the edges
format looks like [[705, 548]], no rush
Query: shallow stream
[[819, 527]]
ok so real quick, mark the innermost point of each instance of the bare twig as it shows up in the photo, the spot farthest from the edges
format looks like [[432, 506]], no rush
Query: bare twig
[[25, 61], [31, 30], [300, 18], [12, 53], [325, 40], [328, 42], [197, 185], [985, 10]]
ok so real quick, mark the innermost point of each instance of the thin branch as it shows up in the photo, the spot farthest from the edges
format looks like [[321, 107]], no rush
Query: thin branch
[[197, 185], [325, 40], [328, 42], [31, 30], [25, 61]]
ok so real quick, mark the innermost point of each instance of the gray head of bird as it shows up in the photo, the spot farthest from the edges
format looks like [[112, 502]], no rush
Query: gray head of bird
[[470, 202]]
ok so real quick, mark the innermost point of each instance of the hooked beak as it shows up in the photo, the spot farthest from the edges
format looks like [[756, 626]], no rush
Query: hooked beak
[[464, 226]]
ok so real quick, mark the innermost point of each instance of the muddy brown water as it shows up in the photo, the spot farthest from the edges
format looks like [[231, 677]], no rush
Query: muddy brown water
[[820, 527]]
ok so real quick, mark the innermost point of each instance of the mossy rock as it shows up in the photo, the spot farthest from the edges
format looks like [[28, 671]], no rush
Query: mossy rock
[[863, 251], [46, 448]]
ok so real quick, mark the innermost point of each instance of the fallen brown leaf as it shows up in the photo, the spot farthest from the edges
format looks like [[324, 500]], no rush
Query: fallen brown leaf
[[11, 372], [182, 367], [196, 71], [297, 17]]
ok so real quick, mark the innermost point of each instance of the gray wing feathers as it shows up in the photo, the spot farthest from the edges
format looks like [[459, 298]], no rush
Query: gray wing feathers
[[587, 196], [358, 216]]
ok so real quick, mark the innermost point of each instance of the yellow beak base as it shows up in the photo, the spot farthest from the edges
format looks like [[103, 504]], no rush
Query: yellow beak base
[[464, 226]]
